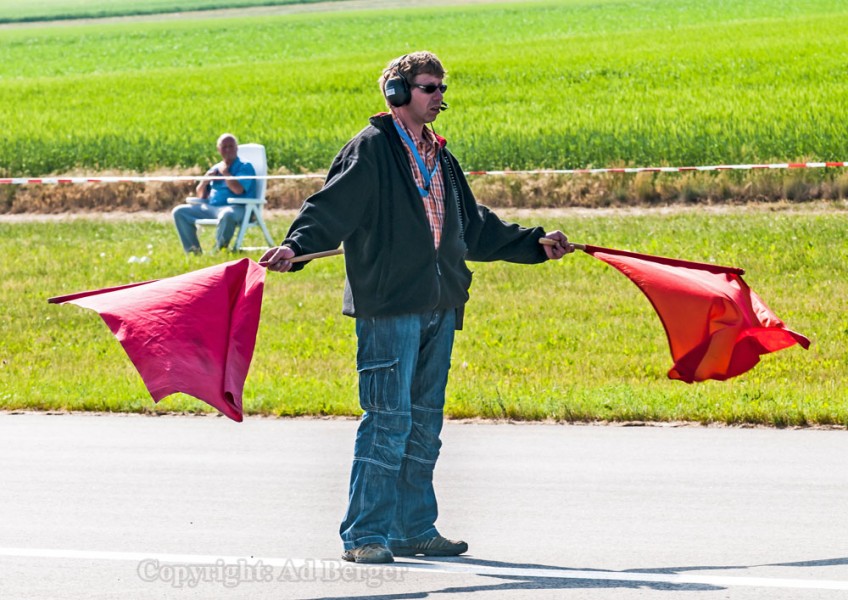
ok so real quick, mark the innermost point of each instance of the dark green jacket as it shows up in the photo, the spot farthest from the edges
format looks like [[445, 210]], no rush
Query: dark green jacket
[[371, 204]]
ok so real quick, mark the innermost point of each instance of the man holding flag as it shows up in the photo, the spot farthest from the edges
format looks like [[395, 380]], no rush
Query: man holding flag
[[398, 201]]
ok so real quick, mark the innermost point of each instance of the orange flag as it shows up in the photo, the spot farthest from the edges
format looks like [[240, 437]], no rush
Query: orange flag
[[193, 333], [717, 327]]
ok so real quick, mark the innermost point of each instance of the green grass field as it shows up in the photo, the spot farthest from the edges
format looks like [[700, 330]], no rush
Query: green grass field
[[549, 84], [12, 11], [537, 84], [572, 340]]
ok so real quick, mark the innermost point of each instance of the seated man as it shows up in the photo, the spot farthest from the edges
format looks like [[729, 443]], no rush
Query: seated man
[[213, 196]]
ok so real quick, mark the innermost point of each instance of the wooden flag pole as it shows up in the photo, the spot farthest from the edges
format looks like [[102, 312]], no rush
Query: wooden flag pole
[[549, 242], [305, 257]]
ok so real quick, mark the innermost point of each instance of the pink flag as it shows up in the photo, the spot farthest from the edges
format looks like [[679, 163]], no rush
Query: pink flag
[[193, 333], [717, 327]]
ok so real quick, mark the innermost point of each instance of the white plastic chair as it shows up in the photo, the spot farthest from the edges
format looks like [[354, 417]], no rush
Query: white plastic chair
[[255, 155]]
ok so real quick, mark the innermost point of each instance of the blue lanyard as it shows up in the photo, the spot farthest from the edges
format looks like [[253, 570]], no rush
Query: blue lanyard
[[427, 175]]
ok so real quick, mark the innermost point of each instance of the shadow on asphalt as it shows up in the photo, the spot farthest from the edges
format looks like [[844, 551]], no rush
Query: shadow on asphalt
[[532, 583], [553, 583], [827, 562]]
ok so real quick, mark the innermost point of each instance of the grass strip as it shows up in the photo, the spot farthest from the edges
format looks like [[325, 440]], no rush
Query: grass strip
[[16, 11], [568, 341]]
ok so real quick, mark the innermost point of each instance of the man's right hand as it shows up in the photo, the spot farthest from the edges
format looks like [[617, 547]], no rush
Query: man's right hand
[[277, 259]]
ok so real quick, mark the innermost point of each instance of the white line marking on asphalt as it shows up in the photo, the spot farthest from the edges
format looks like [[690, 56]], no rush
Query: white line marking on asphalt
[[432, 567]]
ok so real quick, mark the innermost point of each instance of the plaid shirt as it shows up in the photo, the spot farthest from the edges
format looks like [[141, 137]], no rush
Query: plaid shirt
[[434, 202]]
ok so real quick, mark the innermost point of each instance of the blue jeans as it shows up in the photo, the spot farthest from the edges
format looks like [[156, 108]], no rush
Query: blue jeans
[[403, 365], [229, 216]]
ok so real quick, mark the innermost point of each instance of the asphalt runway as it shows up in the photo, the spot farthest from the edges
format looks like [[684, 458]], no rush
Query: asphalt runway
[[108, 506]]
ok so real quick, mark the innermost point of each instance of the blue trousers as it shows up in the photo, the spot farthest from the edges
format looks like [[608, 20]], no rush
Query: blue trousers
[[403, 365], [229, 217]]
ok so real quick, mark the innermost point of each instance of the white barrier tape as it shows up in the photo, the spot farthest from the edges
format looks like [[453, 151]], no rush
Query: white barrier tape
[[174, 178], [144, 179], [808, 165]]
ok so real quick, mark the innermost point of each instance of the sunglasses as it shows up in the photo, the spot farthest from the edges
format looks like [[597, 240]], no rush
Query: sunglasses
[[431, 87]]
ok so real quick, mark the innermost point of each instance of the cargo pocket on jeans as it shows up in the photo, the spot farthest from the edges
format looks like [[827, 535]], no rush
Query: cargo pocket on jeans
[[379, 385]]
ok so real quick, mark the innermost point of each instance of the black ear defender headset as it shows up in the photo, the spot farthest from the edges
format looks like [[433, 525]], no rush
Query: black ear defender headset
[[397, 88]]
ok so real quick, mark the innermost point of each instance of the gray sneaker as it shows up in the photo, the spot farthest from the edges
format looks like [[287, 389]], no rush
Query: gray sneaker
[[437, 546], [369, 553]]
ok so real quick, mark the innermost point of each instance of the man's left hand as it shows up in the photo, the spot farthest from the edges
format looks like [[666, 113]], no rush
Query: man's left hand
[[561, 248]]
